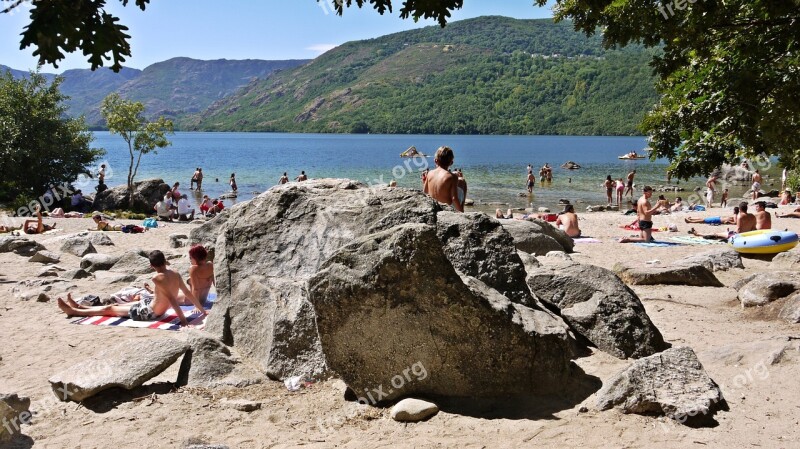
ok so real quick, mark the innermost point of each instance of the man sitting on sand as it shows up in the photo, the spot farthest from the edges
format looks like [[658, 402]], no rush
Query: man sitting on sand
[[440, 184], [763, 218], [36, 226], [201, 274], [568, 221], [645, 214], [167, 285]]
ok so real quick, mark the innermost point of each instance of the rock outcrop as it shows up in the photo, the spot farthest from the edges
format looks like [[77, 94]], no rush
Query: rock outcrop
[[391, 302], [78, 246], [599, 306], [22, 246], [13, 413], [146, 194], [268, 249], [128, 365], [537, 237], [671, 383], [720, 259], [767, 287], [96, 262], [695, 275]]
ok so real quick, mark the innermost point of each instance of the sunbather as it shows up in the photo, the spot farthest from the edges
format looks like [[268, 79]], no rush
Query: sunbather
[[499, 214], [793, 214], [167, 285], [36, 226], [103, 225]]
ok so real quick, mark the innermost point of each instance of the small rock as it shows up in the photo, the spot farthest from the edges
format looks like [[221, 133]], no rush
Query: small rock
[[791, 310], [413, 410], [78, 246], [544, 210], [44, 256], [12, 409], [694, 275], [178, 240], [51, 271], [241, 405], [583, 410], [76, 274], [100, 238], [108, 277]]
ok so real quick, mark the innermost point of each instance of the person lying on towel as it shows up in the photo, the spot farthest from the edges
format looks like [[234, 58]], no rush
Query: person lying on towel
[[167, 285]]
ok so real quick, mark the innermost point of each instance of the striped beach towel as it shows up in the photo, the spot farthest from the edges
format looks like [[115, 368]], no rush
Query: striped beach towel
[[694, 240], [657, 244], [169, 321]]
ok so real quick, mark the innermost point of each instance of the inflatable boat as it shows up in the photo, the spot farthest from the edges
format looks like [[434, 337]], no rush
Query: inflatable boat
[[765, 241]]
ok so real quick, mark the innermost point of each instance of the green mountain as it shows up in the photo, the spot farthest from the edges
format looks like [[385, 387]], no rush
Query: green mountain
[[490, 75], [171, 88]]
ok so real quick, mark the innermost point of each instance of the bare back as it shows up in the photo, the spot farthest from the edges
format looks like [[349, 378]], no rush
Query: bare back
[[442, 185], [201, 278], [570, 222], [763, 220], [167, 285], [745, 223]]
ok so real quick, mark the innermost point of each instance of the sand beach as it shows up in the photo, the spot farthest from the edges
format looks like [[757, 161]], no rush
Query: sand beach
[[749, 353]]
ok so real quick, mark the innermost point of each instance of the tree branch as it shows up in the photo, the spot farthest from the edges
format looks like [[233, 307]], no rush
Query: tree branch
[[13, 5]]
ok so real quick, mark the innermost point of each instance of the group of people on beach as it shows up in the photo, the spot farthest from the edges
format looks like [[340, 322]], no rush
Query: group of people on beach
[[623, 187], [169, 291]]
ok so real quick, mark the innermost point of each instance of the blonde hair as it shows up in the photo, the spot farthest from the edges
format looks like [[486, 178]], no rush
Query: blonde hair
[[444, 157]]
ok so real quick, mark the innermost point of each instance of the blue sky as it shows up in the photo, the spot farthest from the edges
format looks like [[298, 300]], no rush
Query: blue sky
[[243, 29]]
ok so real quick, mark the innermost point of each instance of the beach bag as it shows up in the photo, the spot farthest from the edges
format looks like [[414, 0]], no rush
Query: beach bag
[[700, 208], [133, 229], [150, 223]]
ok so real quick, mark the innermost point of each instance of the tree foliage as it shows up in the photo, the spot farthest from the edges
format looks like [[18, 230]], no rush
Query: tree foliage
[[38, 145], [729, 74], [125, 117]]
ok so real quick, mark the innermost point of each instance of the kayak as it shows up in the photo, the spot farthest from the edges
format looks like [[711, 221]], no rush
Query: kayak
[[629, 157], [765, 241]]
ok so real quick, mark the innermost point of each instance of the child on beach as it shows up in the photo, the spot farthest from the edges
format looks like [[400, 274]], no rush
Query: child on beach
[[441, 184], [723, 202], [167, 286]]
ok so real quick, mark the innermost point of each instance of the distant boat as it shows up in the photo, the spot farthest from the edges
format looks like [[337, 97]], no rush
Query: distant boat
[[412, 152], [631, 157], [569, 165]]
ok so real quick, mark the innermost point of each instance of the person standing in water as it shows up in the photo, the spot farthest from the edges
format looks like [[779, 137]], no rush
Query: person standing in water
[[232, 182], [609, 185], [531, 181]]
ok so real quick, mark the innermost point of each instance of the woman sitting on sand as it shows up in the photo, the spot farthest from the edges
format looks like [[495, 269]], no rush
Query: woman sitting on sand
[[786, 198], [103, 225], [201, 275]]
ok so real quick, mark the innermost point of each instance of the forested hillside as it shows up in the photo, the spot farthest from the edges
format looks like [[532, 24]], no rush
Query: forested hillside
[[490, 75]]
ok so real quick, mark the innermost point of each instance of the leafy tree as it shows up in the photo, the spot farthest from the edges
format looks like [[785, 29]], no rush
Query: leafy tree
[[124, 117], [729, 75], [38, 144]]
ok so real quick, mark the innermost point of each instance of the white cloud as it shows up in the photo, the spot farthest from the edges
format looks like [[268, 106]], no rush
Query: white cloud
[[321, 48]]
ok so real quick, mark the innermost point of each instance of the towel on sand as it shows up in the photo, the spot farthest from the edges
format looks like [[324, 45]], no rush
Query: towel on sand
[[168, 321]]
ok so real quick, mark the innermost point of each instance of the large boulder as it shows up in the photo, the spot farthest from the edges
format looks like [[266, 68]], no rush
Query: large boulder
[[599, 306], [478, 246], [44, 256], [22, 246], [146, 194], [694, 275], [128, 366], [735, 174], [97, 262], [270, 247], [267, 249], [719, 259], [132, 262], [210, 364], [537, 237], [78, 246], [767, 287], [391, 302], [791, 310], [671, 383], [13, 413], [788, 260]]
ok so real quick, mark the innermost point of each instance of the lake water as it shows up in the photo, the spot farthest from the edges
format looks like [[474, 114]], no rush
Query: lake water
[[494, 166]]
